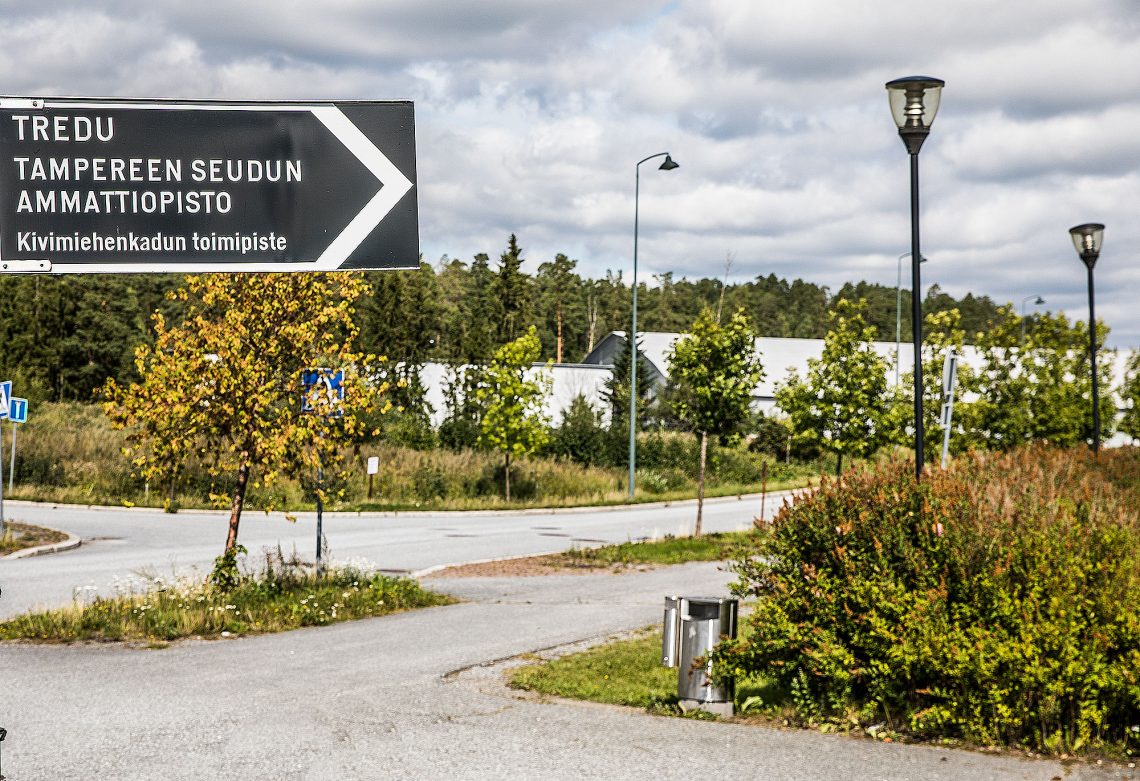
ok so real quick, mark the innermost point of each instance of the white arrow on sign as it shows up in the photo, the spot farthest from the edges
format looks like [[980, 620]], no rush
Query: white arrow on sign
[[395, 185]]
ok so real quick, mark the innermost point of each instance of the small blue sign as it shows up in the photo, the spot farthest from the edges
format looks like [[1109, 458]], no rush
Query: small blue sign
[[5, 397], [18, 410], [318, 381]]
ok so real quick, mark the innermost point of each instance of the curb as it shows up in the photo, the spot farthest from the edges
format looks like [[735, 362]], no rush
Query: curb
[[780, 494], [70, 543]]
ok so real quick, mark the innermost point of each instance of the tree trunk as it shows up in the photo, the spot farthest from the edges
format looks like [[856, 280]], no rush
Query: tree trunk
[[238, 502], [701, 483], [591, 316], [839, 465], [558, 359], [507, 476]]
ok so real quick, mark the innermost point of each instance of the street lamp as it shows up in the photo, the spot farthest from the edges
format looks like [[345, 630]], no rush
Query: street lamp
[[1038, 302], [898, 313], [1087, 239], [914, 103], [667, 165]]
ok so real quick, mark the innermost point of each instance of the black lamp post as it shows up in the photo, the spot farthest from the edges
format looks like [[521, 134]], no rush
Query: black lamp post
[[914, 103], [667, 165], [1087, 239]]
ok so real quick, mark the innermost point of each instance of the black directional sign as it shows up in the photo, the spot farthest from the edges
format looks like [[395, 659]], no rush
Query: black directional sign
[[151, 186]]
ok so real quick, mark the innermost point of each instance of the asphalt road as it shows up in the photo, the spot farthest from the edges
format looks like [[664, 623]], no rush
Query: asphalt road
[[409, 697], [418, 695], [118, 542]]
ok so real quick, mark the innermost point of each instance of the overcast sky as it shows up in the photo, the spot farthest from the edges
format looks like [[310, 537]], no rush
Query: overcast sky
[[532, 115]]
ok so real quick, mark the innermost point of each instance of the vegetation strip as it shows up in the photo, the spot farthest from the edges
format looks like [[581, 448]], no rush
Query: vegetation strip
[[21, 536], [623, 557], [283, 597]]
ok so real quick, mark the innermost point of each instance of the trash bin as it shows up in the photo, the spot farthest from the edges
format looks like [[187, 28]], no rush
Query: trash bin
[[692, 628], [671, 632]]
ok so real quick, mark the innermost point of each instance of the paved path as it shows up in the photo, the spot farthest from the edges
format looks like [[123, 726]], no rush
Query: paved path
[[119, 542], [376, 699]]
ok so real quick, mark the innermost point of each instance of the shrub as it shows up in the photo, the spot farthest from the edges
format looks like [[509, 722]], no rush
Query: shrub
[[771, 436], [581, 437], [405, 428], [995, 602]]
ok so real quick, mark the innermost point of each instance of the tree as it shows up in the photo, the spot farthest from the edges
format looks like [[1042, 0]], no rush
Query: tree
[[715, 369], [512, 403], [225, 384], [463, 412], [480, 312], [615, 392], [942, 332], [1057, 355], [559, 298], [1130, 395], [1004, 413], [512, 291], [1039, 388], [843, 402], [581, 436]]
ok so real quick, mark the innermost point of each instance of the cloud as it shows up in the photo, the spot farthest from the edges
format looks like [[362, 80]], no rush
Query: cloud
[[531, 117]]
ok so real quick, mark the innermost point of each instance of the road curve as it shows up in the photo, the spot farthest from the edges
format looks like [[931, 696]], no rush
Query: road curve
[[118, 542]]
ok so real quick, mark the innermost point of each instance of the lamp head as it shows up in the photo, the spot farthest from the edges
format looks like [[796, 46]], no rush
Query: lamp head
[[1087, 240], [669, 164], [914, 104]]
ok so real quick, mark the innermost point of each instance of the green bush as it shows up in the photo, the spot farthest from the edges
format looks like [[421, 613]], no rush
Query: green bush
[[581, 437], [996, 602], [404, 428]]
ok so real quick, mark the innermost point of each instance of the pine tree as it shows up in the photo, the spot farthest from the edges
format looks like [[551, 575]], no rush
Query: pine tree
[[512, 291], [615, 391]]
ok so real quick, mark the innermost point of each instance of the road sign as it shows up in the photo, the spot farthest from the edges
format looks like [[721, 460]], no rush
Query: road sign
[[18, 410], [5, 398], [188, 186], [321, 381]]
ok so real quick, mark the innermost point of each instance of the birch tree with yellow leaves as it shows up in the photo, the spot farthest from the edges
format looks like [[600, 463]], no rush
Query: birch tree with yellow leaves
[[225, 386]]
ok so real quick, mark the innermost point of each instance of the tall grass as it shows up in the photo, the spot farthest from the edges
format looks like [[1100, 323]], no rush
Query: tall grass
[[70, 453]]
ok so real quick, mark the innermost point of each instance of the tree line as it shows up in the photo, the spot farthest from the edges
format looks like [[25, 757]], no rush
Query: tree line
[[64, 336]]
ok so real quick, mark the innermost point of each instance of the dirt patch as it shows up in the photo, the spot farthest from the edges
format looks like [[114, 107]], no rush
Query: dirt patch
[[537, 566], [18, 536]]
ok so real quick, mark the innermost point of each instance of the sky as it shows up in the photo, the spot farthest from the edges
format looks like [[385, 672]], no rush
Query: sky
[[531, 117]]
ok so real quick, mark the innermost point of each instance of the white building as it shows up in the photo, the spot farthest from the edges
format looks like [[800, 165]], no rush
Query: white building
[[777, 355]]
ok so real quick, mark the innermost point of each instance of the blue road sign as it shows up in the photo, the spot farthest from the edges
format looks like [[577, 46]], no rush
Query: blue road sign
[[18, 410], [5, 397], [322, 381]]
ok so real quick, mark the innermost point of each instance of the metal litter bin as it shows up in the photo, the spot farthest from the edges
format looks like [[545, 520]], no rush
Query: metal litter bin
[[692, 628]]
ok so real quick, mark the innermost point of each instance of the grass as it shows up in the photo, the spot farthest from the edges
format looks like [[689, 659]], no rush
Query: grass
[[626, 672], [18, 536], [629, 672], [283, 597], [667, 551]]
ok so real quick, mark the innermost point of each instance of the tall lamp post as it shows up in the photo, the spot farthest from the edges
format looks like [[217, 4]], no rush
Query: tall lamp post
[[667, 165], [914, 103], [1037, 302], [898, 313], [1087, 239]]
